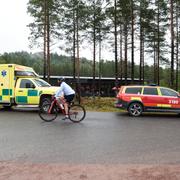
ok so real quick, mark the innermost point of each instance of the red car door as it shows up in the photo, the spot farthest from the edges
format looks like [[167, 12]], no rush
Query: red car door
[[169, 98], [150, 97]]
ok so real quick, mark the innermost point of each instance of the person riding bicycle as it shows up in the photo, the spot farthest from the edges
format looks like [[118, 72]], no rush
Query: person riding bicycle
[[64, 93]]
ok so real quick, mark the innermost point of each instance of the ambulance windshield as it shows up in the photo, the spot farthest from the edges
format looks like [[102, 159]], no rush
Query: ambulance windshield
[[41, 83]]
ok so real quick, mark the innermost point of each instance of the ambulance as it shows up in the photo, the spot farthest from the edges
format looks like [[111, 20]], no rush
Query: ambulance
[[20, 85]]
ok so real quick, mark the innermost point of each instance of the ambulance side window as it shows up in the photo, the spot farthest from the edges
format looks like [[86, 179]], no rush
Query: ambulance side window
[[26, 83]]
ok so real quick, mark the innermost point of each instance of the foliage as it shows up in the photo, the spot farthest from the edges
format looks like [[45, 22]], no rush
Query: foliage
[[62, 65], [105, 104], [36, 8], [136, 26]]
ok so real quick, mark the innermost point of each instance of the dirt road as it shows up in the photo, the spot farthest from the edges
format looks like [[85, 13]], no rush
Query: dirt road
[[24, 171]]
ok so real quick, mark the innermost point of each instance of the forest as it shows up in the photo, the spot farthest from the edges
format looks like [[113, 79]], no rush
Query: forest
[[63, 66], [143, 36]]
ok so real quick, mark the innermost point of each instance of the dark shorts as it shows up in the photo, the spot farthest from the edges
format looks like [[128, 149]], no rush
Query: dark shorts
[[69, 98]]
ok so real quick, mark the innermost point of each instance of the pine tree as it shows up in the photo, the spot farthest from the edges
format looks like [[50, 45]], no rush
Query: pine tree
[[172, 41], [177, 14], [74, 20], [156, 31], [143, 26], [125, 16], [95, 29], [44, 28]]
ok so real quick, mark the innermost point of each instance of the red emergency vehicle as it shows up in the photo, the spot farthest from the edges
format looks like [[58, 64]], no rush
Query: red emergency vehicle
[[139, 99]]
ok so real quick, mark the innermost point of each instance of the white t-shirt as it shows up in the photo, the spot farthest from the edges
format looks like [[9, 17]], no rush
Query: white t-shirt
[[65, 90]]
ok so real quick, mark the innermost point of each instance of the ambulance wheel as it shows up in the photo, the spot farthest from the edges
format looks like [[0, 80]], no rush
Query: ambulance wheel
[[45, 101]]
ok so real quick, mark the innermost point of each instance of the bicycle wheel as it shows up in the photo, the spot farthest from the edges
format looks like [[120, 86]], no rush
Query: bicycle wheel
[[76, 113], [45, 115]]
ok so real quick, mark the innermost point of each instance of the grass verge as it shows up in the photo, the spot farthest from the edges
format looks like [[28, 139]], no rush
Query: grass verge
[[102, 104]]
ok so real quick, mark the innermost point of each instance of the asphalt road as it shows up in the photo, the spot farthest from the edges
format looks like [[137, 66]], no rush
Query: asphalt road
[[100, 138]]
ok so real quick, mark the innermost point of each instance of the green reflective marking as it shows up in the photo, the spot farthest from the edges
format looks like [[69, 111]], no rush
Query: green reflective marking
[[32, 93], [10, 92], [6, 92], [22, 99], [0, 98]]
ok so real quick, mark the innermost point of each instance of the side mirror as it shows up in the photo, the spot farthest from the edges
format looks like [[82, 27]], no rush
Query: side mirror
[[33, 86]]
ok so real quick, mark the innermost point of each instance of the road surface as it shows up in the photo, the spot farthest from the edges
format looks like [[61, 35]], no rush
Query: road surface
[[102, 138]]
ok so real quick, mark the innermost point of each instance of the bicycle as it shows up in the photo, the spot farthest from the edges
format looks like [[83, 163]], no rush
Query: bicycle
[[49, 111]]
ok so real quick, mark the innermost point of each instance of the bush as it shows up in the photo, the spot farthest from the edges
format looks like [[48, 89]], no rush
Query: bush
[[99, 104]]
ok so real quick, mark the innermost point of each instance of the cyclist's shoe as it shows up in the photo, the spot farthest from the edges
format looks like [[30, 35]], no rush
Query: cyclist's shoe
[[65, 118]]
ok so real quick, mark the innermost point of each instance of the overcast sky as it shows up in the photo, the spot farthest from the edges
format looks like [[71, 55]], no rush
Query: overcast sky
[[13, 26], [14, 31]]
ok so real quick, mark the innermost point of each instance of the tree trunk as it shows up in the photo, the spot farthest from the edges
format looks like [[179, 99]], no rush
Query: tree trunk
[[143, 61], [94, 52], [74, 44], [115, 42], [141, 50], [132, 41], [158, 45], [121, 53], [45, 37], [177, 46], [48, 46], [125, 51], [100, 73], [78, 60], [155, 76], [172, 43]]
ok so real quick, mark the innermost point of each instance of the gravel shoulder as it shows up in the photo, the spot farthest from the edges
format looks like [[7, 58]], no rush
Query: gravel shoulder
[[26, 171]]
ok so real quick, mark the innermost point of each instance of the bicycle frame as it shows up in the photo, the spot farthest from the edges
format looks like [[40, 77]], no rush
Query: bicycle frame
[[55, 102]]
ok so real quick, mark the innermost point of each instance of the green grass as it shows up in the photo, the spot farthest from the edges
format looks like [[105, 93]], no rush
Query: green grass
[[103, 104]]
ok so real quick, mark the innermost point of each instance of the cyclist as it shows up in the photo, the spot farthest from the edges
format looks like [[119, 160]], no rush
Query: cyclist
[[64, 93]]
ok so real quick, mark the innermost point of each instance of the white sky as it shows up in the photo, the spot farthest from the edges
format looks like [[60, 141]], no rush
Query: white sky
[[14, 31], [13, 26]]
